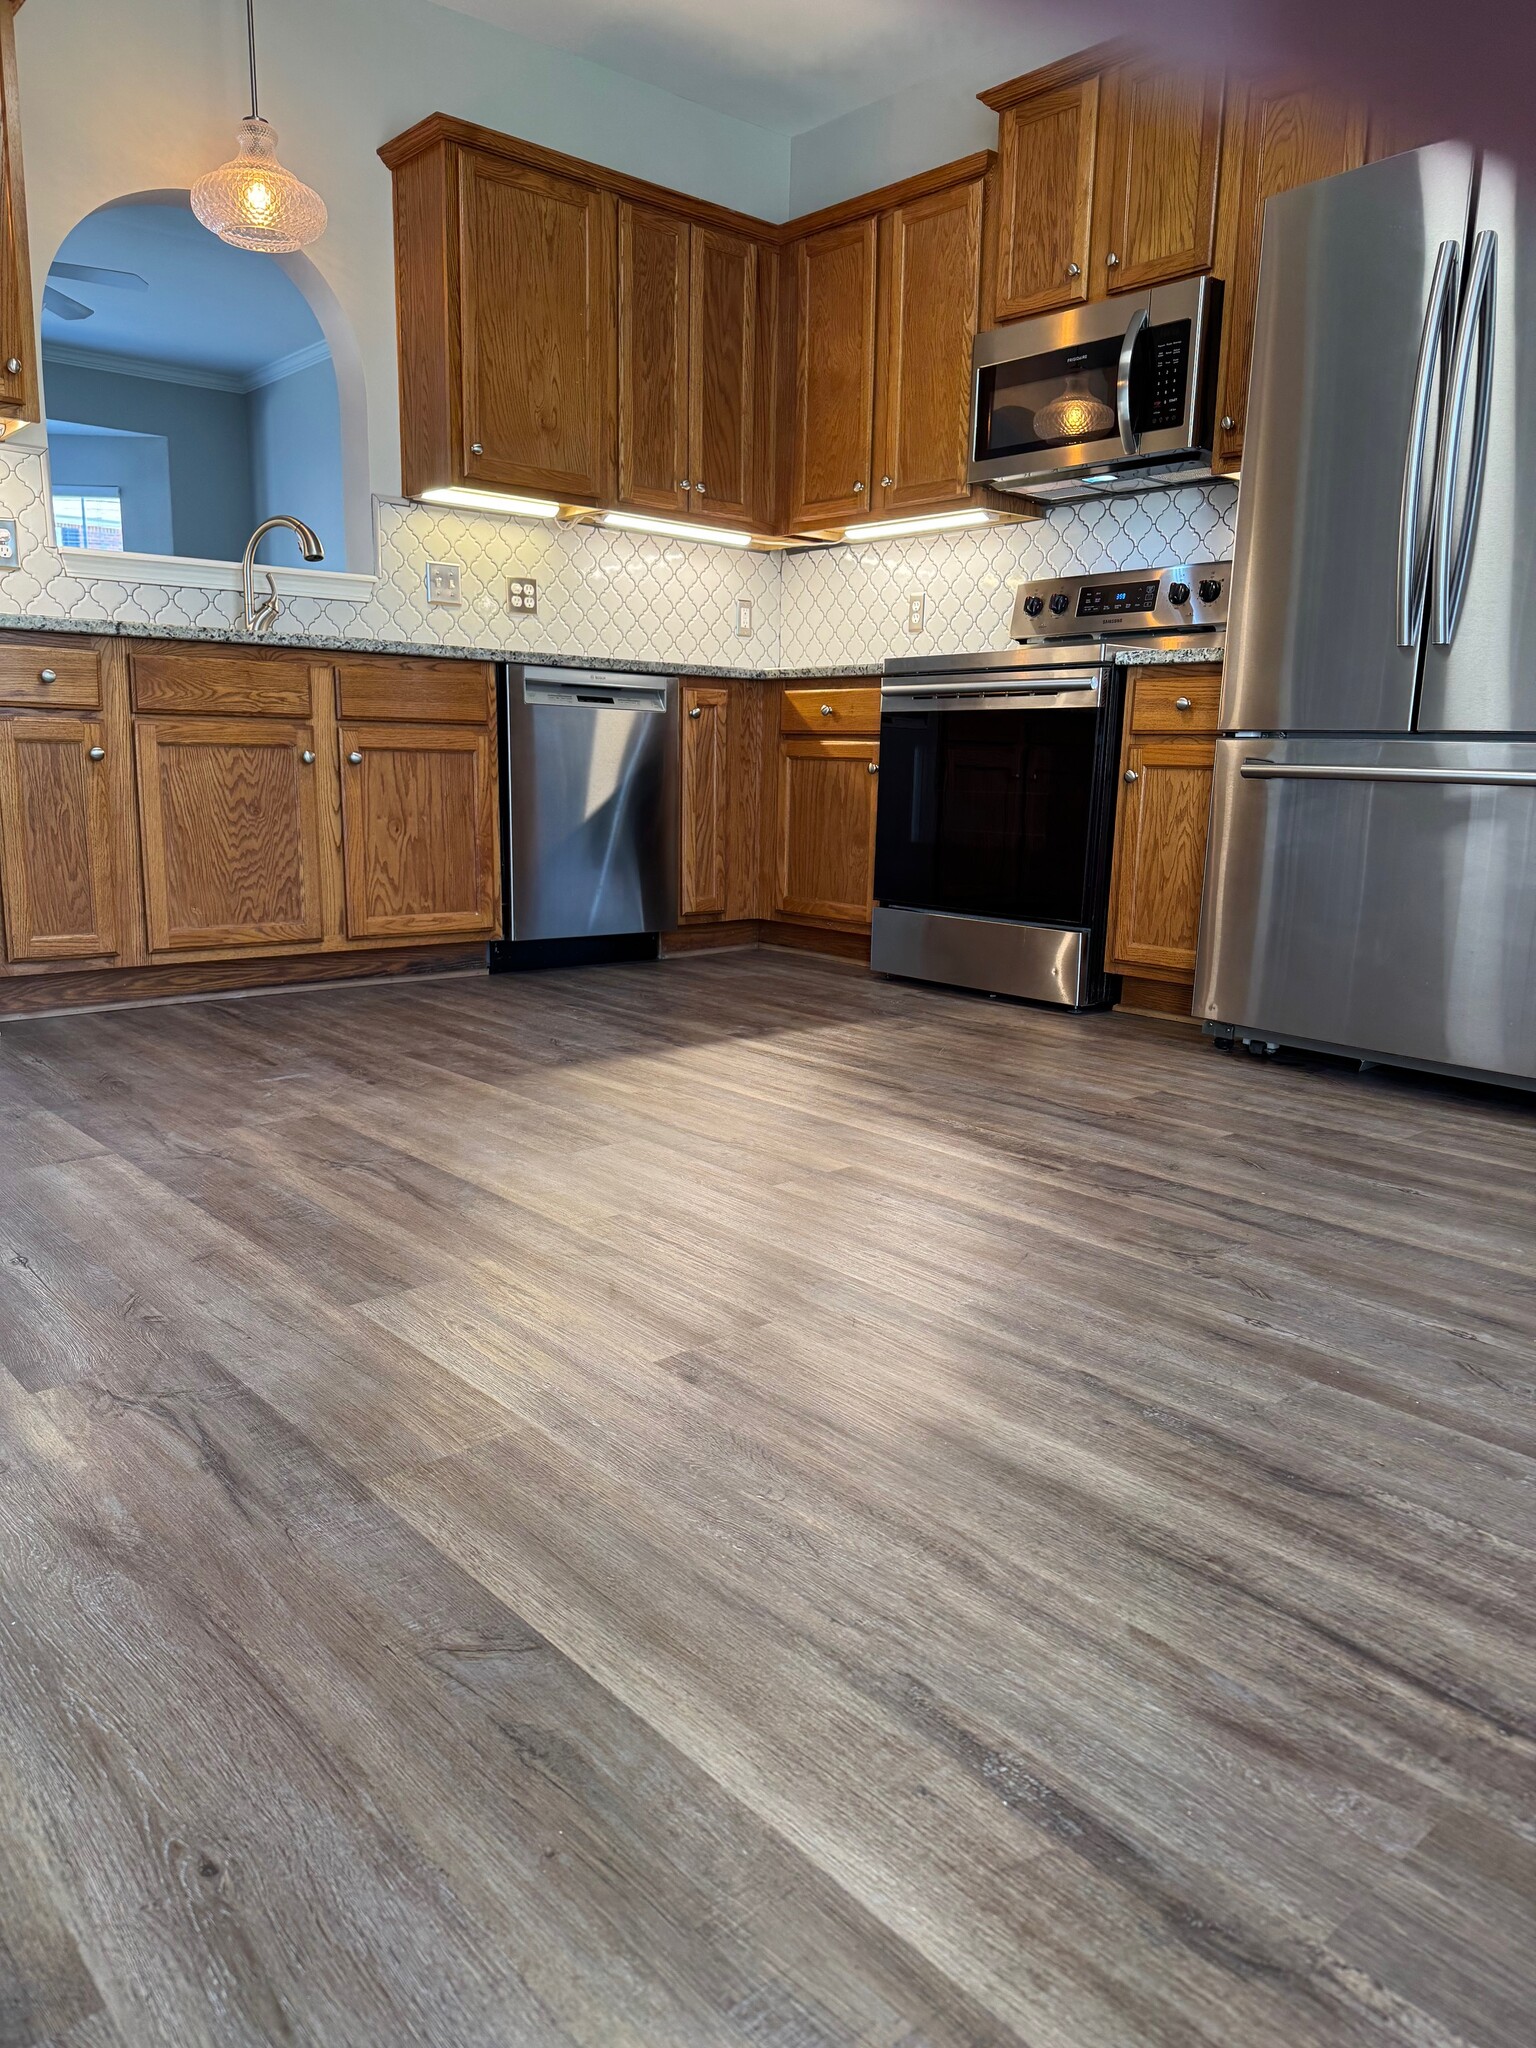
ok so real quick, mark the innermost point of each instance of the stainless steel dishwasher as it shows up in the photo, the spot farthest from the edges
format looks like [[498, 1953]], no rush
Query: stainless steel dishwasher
[[589, 805]]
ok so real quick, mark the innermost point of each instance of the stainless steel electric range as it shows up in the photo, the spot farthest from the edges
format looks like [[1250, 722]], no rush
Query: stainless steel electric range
[[998, 777]]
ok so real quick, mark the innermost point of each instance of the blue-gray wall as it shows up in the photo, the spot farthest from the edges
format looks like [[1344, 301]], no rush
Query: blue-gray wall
[[137, 465], [208, 434], [296, 462]]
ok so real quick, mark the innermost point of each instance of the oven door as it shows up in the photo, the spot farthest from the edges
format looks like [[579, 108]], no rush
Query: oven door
[[992, 803], [1106, 386]]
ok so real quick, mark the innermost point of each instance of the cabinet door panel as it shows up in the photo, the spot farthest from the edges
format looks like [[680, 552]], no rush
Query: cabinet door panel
[[230, 828], [418, 812], [826, 831], [1045, 200], [1276, 138], [834, 374], [1159, 871], [56, 848], [1155, 187], [723, 351], [931, 271], [653, 359], [18, 385], [537, 305], [706, 798]]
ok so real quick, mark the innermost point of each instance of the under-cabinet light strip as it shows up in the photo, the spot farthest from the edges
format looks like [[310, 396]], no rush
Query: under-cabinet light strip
[[676, 529], [492, 501]]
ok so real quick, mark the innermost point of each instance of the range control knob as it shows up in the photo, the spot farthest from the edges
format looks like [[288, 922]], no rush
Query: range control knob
[[1034, 606], [1210, 590], [1060, 602], [1178, 593]]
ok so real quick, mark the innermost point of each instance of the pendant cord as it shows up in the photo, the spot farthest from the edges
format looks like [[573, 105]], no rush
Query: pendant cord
[[250, 35]]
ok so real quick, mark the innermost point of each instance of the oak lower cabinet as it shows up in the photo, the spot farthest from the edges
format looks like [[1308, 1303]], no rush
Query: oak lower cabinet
[[229, 814], [706, 722], [418, 811], [1162, 819], [825, 853], [58, 839]]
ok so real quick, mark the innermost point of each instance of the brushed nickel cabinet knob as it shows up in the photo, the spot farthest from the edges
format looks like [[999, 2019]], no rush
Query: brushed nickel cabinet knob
[[96, 754], [886, 482], [47, 675], [13, 366], [874, 767], [1183, 704], [826, 710], [684, 485], [1074, 270], [699, 489], [857, 488], [308, 757], [695, 711], [1227, 423], [355, 758], [1112, 260], [1131, 775]]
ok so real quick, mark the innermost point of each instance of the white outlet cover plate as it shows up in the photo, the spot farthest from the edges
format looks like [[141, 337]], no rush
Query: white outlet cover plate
[[443, 583], [744, 618], [917, 611], [10, 547], [523, 595]]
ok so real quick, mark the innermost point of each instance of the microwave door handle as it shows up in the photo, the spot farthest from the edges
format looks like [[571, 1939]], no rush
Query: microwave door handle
[[1448, 568], [1435, 345], [1130, 440]]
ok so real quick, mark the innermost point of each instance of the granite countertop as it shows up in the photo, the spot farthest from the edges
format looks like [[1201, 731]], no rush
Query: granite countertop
[[20, 622]]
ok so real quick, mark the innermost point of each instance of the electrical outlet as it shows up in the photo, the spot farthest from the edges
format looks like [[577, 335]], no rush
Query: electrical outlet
[[10, 547], [443, 583], [743, 618], [917, 611], [523, 595]]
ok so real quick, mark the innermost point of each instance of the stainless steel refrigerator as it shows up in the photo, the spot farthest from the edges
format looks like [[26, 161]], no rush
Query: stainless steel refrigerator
[[1371, 882]]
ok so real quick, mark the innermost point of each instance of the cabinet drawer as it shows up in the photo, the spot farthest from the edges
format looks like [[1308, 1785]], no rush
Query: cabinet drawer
[[436, 692], [823, 709], [64, 676], [247, 684], [1175, 700]]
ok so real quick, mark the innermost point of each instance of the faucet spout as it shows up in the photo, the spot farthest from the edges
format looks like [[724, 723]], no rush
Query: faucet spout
[[260, 617]]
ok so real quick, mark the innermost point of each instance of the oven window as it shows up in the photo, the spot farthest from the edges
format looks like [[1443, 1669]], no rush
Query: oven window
[[986, 813], [1050, 401]]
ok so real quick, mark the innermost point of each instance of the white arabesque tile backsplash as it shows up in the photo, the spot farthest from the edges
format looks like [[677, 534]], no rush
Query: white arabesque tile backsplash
[[628, 597]]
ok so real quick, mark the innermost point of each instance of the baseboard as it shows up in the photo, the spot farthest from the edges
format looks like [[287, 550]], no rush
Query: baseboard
[[711, 938], [1143, 997], [816, 938], [40, 995]]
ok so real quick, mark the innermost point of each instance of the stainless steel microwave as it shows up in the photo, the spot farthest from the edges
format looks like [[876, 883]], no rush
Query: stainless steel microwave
[[1115, 396]]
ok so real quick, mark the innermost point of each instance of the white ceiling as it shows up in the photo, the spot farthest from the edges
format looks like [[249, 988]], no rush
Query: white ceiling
[[208, 307], [789, 65]]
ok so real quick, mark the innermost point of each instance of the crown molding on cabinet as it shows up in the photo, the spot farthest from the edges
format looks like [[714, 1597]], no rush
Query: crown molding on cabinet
[[1066, 71]]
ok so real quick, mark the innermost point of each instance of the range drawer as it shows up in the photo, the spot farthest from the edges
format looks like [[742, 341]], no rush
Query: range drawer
[[227, 683], [433, 692], [1175, 700], [63, 675], [832, 708]]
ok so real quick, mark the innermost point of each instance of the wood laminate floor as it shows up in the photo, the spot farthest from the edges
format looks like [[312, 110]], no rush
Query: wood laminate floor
[[740, 1503]]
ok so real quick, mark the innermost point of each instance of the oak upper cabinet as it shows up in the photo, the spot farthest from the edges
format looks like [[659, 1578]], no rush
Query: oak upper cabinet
[[654, 322], [1159, 158], [728, 375], [690, 379], [1277, 137], [59, 839], [1167, 766], [418, 809], [930, 287], [705, 798], [835, 338], [229, 817], [506, 297], [19, 391], [1047, 135]]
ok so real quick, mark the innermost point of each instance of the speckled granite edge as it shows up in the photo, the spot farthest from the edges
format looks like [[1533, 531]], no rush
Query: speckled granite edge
[[18, 622]]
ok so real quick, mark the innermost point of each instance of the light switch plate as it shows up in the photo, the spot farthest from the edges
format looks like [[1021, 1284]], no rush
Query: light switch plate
[[743, 618], [443, 583], [10, 546], [523, 595], [917, 611]]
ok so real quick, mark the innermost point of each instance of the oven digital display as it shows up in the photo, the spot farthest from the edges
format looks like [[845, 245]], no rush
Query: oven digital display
[[1096, 600]]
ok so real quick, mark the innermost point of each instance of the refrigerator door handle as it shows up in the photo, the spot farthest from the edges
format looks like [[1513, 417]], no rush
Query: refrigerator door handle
[[1130, 440], [1435, 343], [1448, 571], [1257, 769]]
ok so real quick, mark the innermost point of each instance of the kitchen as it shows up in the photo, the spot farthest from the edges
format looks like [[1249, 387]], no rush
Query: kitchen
[[658, 1484]]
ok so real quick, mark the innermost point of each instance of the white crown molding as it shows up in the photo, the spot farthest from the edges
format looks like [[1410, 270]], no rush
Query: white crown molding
[[184, 572], [240, 383]]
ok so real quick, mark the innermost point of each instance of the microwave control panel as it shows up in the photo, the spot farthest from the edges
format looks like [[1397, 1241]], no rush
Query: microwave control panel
[[1164, 366]]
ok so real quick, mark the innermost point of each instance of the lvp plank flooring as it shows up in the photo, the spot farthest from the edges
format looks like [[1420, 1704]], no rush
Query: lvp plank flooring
[[739, 1502]]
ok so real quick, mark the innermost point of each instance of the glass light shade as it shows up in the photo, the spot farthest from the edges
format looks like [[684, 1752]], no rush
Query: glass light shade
[[1074, 415], [253, 203]]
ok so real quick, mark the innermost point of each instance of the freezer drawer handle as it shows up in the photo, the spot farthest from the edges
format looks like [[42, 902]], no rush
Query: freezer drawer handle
[[1448, 572], [1434, 352], [1318, 771]]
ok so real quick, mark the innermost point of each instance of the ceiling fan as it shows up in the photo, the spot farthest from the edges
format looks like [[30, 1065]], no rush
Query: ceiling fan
[[66, 308]]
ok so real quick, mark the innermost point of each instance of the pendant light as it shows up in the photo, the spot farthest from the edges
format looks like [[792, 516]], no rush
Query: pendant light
[[252, 202]]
